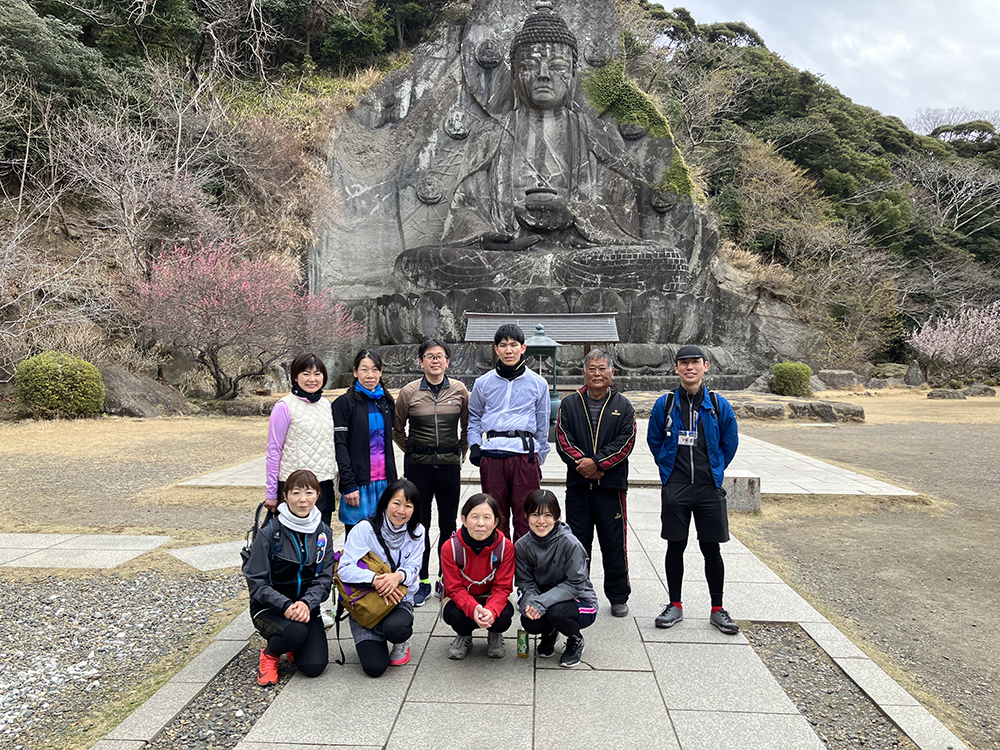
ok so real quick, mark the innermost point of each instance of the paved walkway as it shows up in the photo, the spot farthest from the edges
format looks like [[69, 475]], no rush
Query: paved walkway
[[687, 688], [781, 471]]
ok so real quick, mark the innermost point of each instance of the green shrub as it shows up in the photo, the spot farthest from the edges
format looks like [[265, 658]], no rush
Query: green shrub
[[791, 379], [58, 385]]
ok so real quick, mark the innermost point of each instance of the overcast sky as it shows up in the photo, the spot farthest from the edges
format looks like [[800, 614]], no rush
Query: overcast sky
[[892, 55]]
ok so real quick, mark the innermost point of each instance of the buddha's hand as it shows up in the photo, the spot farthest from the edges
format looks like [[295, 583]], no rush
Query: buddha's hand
[[544, 215], [504, 241]]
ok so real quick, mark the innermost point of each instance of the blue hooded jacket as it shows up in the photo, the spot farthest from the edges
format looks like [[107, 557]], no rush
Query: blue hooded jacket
[[721, 434]]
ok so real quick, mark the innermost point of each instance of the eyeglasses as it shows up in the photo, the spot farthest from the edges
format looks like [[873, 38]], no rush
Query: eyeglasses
[[598, 370], [435, 357]]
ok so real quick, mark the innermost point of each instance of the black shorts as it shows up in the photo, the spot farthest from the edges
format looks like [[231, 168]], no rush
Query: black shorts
[[708, 504]]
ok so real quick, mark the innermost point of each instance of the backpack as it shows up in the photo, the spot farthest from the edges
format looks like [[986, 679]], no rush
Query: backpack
[[361, 601], [458, 555], [252, 532], [670, 407]]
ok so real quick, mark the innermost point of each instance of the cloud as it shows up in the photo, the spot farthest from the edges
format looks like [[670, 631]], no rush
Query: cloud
[[894, 56]]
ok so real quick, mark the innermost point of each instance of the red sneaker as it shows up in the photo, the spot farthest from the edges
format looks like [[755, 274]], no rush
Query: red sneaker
[[291, 657], [400, 654], [268, 672]]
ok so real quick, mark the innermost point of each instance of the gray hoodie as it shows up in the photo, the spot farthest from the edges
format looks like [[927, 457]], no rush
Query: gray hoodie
[[551, 569]]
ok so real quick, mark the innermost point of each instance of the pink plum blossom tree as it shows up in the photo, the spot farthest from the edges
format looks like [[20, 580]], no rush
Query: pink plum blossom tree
[[238, 314], [966, 344]]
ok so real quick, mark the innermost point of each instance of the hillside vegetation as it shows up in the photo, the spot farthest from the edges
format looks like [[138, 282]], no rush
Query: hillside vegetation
[[127, 128]]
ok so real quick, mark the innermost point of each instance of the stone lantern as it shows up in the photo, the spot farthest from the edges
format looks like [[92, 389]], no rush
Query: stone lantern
[[540, 346]]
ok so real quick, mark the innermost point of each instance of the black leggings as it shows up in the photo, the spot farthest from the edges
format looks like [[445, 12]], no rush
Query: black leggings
[[306, 641], [397, 627], [462, 624], [443, 484], [563, 617], [715, 569]]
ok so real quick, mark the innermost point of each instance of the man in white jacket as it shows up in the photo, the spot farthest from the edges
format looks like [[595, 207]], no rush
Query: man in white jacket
[[509, 428]]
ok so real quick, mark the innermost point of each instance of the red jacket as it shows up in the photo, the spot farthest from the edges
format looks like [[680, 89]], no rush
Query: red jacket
[[462, 590]]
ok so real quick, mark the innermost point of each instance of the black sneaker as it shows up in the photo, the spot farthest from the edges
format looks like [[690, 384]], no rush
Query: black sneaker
[[619, 610], [574, 650], [547, 645], [724, 622], [669, 617]]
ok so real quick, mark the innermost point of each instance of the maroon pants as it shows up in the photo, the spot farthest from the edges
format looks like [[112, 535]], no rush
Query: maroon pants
[[510, 480]]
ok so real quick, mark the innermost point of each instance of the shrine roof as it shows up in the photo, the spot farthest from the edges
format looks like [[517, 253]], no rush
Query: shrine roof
[[566, 328]]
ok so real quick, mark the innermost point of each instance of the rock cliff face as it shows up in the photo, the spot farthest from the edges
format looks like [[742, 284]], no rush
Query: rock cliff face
[[423, 183]]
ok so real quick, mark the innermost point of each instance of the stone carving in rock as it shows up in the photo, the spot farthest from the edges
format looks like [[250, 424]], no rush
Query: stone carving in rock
[[447, 152], [546, 194]]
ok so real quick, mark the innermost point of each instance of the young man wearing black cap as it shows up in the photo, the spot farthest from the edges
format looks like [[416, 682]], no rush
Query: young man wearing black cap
[[693, 436]]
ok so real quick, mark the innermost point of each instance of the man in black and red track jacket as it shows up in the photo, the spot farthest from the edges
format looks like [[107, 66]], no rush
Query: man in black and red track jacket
[[595, 433]]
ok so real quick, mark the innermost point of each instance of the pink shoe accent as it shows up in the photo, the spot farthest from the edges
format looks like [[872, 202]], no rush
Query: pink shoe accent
[[402, 661]]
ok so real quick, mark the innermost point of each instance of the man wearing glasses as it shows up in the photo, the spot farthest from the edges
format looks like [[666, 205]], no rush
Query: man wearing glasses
[[595, 433], [437, 409]]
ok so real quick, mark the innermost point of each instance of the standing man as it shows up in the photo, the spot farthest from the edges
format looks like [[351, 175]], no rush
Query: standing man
[[509, 428], [437, 409], [693, 437], [595, 433]]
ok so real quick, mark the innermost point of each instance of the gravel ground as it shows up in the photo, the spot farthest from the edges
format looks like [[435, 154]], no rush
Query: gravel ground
[[840, 713], [227, 708], [74, 646]]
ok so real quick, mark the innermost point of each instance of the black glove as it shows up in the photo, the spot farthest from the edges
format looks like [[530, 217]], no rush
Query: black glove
[[475, 455]]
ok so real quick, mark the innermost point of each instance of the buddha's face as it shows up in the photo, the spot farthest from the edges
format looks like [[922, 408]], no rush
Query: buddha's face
[[543, 74]]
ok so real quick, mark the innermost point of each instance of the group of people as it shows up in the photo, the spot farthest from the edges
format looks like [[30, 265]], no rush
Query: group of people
[[512, 535]]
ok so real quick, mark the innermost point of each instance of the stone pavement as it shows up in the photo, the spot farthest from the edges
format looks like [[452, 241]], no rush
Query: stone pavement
[[73, 550], [781, 471], [687, 688]]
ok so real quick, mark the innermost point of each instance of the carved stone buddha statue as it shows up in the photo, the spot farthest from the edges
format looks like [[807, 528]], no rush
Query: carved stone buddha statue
[[546, 194]]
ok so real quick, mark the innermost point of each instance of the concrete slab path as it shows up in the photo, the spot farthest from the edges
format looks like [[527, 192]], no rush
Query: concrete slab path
[[686, 688], [781, 471], [73, 550]]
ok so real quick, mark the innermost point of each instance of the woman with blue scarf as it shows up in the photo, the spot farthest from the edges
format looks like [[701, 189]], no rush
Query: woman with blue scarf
[[362, 433]]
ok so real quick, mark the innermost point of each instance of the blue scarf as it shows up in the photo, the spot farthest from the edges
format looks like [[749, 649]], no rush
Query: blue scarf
[[375, 395]]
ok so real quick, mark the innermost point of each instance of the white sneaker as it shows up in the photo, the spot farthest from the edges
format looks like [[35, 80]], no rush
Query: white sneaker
[[328, 621]]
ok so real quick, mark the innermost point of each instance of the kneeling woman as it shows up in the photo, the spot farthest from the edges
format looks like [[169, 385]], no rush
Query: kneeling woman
[[393, 527], [477, 564], [554, 592], [289, 580]]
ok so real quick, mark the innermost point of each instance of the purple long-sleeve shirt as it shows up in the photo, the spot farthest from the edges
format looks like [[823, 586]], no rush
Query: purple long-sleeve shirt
[[277, 431]]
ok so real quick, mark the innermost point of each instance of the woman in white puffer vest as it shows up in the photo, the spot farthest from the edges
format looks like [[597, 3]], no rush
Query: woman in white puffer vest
[[300, 435]]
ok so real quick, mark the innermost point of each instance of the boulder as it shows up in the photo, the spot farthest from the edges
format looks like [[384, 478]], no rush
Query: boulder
[[889, 370], [838, 379], [878, 383], [761, 384], [945, 393], [129, 395], [978, 389], [766, 410], [914, 375], [248, 407], [815, 384], [639, 355], [848, 412]]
